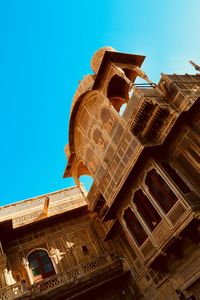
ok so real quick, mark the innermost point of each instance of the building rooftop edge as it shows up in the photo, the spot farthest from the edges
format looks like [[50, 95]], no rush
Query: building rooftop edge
[[44, 206], [43, 195]]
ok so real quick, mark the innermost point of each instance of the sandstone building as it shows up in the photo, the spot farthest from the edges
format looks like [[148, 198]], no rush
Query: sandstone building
[[135, 234]]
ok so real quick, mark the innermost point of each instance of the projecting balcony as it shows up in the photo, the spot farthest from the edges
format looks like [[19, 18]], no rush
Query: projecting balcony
[[68, 284], [178, 223]]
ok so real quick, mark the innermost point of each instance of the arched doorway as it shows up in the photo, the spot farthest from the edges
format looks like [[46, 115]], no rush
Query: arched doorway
[[40, 265]]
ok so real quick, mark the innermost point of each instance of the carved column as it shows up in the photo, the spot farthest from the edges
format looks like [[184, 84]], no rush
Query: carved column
[[25, 264]]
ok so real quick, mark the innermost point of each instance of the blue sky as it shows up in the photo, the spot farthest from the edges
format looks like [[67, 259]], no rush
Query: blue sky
[[45, 49]]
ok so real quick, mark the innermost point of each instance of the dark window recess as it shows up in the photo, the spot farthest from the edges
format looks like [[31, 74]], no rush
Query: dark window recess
[[160, 190], [135, 227], [40, 265], [85, 249], [176, 178], [146, 209]]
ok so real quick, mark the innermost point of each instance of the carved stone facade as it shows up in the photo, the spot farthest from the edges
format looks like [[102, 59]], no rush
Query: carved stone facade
[[136, 233], [54, 252], [140, 144]]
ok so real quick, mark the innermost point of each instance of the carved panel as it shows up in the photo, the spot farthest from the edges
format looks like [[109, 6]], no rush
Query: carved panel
[[92, 102], [84, 120], [81, 238], [176, 213], [161, 232], [118, 134], [109, 154], [99, 139], [39, 214], [108, 119], [191, 269], [27, 205], [94, 264], [92, 160], [147, 248]]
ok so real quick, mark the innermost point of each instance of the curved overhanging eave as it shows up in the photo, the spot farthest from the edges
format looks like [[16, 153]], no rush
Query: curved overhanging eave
[[72, 121], [91, 82]]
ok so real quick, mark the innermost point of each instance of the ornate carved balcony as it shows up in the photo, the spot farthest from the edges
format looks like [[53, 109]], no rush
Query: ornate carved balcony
[[167, 230], [68, 282]]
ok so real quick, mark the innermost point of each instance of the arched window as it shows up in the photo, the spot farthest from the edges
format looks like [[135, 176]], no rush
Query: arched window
[[117, 92], [40, 265], [160, 190], [146, 209], [135, 227]]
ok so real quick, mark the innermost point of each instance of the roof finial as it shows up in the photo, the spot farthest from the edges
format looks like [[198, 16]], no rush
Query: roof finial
[[194, 65]]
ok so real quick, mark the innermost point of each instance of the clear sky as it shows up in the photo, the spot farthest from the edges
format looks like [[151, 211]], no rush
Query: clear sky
[[45, 49]]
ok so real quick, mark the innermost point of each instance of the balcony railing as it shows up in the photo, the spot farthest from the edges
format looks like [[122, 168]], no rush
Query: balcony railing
[[68, 278], [11, 292]]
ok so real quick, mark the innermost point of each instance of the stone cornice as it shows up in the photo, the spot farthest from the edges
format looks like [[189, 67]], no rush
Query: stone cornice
[[32, 210]]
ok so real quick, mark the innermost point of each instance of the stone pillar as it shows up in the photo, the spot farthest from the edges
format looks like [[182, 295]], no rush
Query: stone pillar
[[28, 271]]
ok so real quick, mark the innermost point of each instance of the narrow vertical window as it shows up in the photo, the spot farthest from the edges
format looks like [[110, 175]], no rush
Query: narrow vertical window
[[135, 227], [160, 190], [146, 209]]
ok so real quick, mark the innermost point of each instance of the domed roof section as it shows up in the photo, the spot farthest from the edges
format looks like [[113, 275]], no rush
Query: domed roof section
[[98, 56]]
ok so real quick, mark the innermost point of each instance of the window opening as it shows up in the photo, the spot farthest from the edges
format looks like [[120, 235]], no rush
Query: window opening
[[135, 227], [117, 92], [146, 209], [85, 249], [160, 190], [40, 265]]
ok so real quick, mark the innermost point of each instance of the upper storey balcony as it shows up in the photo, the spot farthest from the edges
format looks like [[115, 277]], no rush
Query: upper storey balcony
[[70, 283]]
